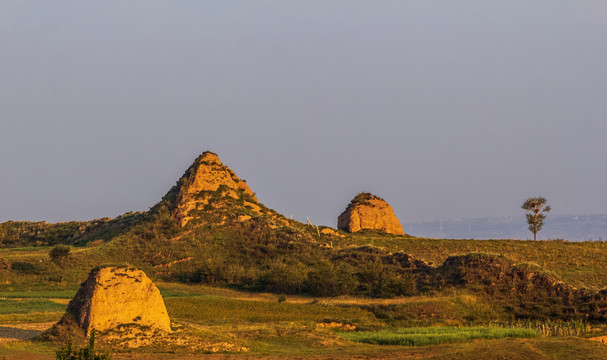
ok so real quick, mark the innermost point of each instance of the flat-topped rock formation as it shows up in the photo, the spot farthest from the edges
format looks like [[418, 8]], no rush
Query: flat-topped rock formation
[[113, 296], [367, 211]]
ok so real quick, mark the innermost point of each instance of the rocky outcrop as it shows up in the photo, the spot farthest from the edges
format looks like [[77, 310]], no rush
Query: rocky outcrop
[[114, 296], [205, 181], [367, 211]]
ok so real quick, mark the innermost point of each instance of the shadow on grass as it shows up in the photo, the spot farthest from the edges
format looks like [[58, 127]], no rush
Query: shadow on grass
[[15, 333]]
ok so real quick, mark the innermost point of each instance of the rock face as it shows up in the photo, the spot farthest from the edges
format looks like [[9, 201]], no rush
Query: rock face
[[204, 181], [113, 296], [367, 211]]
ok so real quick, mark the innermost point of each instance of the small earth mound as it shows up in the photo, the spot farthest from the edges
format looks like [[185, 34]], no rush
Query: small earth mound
[[111, 297], [367, 211]]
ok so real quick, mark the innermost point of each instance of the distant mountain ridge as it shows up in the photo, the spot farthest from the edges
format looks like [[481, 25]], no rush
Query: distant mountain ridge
[[567, 227]]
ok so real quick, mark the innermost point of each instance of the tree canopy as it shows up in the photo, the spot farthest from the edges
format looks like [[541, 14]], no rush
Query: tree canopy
[[537, 210]]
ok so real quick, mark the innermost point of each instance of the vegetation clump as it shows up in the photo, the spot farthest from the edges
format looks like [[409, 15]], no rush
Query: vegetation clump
[[59, 254], [363, 198], [86, 353]]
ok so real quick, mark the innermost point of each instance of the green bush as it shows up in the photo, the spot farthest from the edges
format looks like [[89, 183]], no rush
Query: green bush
[[379, 280], [328, 279], [59, 254], [285, 278]]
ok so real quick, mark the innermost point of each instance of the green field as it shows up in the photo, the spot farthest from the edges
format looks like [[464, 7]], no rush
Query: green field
[[303, 326], [24, 306], [216, 309], [435, 335]]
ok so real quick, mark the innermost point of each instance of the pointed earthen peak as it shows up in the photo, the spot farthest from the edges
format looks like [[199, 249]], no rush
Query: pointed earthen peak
[[204, 181], [113, 296], [210, 158], [367, 211]]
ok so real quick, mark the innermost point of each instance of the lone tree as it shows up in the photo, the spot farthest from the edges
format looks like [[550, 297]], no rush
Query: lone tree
[[537, 209]]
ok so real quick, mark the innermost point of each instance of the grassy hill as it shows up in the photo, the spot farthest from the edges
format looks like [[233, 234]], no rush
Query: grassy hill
[[578, 263], [227, 264]]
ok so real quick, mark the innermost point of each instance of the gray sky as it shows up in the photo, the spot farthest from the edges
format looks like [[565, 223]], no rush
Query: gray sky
[[447, 109]]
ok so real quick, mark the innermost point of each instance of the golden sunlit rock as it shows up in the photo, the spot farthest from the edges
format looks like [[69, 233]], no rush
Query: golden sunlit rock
[[113, 296], [367, 211], [204, 177]]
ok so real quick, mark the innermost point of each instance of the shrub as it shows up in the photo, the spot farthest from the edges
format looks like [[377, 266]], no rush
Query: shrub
[[284, 278], [379, 280], [59, 254], [328, 279]]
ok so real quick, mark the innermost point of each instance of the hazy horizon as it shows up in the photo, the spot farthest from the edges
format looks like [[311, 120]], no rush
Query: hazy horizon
[[446, 109]]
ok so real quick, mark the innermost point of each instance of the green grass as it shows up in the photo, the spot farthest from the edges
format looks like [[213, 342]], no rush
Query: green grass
[[216, 310], [435, 335], [577, 263], [29, 305], [46, 294], [173, 293], [450, 308], [267, 327], [32, 317]]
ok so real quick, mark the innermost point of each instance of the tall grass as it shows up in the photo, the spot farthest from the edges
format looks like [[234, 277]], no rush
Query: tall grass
[[556, 328], [435, 335]]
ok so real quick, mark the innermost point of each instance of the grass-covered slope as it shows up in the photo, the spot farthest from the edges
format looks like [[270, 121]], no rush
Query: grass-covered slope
[[579, 263], [30, 233], [210, 229], [256, 255]]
